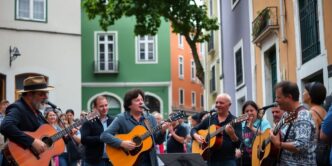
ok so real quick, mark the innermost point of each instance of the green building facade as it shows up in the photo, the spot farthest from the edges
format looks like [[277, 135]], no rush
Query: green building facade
[[116, 60]]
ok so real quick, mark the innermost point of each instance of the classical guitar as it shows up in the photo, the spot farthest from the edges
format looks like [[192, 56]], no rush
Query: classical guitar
[[16, 155], [263, 151], [212, 140], [143, 140]]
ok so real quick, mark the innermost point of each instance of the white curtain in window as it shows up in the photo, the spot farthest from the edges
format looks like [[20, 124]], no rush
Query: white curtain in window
[[23, 8], [38, 9]]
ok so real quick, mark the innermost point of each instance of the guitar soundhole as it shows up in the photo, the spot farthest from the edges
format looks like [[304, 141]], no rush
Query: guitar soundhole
[[138, 141], [48, 141]]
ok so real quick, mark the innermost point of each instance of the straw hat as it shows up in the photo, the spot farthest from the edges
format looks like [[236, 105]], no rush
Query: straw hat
[[35, 83]]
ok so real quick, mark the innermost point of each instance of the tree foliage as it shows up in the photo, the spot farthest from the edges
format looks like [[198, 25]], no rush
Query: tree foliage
[[187, 18]]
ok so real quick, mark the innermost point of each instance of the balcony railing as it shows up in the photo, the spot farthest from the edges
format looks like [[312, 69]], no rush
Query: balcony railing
[[106, 67], [265, 23]]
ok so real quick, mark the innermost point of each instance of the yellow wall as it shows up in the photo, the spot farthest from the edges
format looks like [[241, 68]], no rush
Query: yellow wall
[[286, 52], [328, 28]]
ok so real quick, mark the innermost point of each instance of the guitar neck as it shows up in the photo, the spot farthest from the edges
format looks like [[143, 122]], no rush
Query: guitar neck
[[221, 129], [155, 129], [278, 126], [67, 130]]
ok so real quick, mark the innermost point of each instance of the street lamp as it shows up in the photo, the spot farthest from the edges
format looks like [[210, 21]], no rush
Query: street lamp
[[13, 54]]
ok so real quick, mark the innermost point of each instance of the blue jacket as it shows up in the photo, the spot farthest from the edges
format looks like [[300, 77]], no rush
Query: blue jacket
[[123, 124]]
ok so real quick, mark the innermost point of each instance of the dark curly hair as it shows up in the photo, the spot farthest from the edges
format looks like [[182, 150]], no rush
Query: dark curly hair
[[130, 95]]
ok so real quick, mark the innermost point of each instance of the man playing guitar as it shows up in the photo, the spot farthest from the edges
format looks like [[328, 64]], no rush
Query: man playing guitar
[[231, 137], [299, 145], [24, 115], [125, 122]]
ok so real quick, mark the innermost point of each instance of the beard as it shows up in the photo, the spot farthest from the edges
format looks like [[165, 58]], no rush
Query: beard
[[38, 105]]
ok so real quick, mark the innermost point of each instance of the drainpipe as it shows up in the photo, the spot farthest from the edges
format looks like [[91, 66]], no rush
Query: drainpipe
[[282, 22]]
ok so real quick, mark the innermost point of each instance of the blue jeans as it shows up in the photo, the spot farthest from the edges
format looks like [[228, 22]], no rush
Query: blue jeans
[[64, 160]]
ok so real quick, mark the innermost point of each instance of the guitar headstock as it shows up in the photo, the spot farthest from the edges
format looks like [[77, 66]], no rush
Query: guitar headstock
[[176, 116], [291, 117], [241, 118], [92, 115]]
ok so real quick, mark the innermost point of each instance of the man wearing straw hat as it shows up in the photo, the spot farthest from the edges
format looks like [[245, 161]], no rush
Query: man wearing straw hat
[[24, 114]]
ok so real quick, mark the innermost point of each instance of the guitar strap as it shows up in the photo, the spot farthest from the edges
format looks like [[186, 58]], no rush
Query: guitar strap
[[148, 125]]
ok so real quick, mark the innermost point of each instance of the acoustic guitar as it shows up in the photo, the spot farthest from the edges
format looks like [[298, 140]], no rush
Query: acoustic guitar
[[16, 155], [263, 151], [143, 140], [212, 141]]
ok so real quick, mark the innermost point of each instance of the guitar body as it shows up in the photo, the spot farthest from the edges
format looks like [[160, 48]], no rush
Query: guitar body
[[121, 157], [24, 157], [263, 151], [205, 148]]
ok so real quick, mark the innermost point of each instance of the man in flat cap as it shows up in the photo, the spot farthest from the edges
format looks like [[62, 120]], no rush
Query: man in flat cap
[[24, 115]]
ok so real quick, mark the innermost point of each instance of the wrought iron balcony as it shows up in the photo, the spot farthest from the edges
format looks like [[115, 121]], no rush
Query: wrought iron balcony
[[106, 67], [264, 24]]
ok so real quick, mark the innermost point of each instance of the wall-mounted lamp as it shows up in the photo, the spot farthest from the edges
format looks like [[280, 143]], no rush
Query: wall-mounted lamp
[[13, 54]]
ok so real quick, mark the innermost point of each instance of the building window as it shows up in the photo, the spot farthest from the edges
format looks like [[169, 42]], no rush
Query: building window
[[106, 52], [181, 68], [202, 101], [213, 79], [211, 41], [181, 97], [31, 10], [193, 99], [202, 49], [193, 70], [180, 41], [234, 3], [310, 43], [238, 53], [146, 49], [2, 87], [211, 8]]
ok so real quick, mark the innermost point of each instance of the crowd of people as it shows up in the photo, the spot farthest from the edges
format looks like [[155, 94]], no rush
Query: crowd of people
[[300, 132]]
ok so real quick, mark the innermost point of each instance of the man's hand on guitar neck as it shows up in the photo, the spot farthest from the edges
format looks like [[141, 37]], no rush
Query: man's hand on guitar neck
[[231, 133], [128, 145], [39, 146]]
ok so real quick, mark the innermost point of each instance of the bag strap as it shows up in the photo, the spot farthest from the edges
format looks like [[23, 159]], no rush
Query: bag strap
[[320, 117]]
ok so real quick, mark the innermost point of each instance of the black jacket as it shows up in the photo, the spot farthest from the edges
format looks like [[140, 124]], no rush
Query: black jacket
[[90, 138], [19, 117]]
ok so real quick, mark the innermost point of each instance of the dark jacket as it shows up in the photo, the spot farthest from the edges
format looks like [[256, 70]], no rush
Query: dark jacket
[[19, 117], [90, 138], [227, 149], [123, 124]]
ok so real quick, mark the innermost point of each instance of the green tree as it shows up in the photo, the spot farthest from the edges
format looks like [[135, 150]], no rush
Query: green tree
[[187, 18]]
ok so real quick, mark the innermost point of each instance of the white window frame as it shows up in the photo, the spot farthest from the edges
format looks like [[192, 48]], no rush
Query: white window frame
[[181, 90], [238, 46], [233, 5], [180, 41], [115, 49], [181, 67], [146, 43], [31, 10], [193, 98], [193, 71]]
